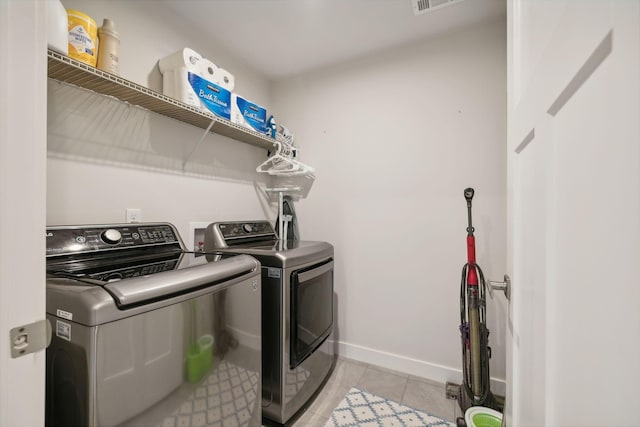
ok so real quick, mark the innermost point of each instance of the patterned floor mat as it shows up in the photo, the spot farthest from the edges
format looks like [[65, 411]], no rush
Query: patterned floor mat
[[225, 398], [294, 381], [362, 409]]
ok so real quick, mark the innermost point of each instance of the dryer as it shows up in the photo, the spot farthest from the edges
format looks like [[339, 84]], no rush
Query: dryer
[[297, 311]]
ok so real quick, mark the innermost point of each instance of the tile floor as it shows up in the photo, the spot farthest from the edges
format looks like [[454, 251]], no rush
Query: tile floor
[[418, 393]]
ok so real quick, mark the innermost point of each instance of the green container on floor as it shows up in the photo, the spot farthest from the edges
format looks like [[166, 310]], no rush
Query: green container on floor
[[478, 416], [486, 420], [199, 358]]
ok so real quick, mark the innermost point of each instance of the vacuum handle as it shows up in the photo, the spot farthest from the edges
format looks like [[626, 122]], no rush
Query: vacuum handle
[[468, 194]]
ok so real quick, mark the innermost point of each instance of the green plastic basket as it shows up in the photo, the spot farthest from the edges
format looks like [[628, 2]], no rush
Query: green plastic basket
[[199, 358], [479, 416], [486, 420]]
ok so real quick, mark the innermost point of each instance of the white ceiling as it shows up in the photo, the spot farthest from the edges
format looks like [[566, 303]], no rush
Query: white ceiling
[[282, 38]]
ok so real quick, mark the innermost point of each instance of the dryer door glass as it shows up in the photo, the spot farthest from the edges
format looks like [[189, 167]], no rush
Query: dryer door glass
[[311, 310]]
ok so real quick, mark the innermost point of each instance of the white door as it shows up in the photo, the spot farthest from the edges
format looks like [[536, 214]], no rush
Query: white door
[[574, 212], [23, 133]]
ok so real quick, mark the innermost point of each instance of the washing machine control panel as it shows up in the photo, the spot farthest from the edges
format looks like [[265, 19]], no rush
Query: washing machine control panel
[[79, 239], [239, 230]]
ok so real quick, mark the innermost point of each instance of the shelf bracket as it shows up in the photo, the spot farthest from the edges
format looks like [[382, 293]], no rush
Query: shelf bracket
[[204, 135]]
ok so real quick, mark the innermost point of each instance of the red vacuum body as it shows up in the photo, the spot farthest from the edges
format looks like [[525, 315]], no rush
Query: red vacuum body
[[475, 389]]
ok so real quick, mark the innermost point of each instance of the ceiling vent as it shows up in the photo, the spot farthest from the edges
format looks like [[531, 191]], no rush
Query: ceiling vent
[[423, 6]]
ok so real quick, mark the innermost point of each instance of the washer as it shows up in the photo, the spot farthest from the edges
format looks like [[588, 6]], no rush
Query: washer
[[146, 333], [297, 311]]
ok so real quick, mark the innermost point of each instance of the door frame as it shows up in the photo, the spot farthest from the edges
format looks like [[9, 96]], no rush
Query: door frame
[[23, 154]]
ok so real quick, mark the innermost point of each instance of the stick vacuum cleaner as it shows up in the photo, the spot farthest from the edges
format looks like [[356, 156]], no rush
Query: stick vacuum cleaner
[[475, 388]]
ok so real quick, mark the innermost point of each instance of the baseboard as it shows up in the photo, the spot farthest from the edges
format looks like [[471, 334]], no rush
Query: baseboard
[[419, 368], [246, 339]]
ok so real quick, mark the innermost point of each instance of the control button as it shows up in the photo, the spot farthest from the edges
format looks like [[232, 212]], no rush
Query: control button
[[111, 236], [247, 228], [135, 235], [81, 239]]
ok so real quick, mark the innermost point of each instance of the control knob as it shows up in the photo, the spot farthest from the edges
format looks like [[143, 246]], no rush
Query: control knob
[[247, 228], [111, 236]]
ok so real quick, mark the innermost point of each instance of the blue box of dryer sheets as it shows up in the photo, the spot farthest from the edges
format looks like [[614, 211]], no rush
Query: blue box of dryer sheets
[[248, 114], [212, 97]]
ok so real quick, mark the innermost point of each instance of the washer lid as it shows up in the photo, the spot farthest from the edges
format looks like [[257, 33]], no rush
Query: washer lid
[[139, 290], [93, 302]]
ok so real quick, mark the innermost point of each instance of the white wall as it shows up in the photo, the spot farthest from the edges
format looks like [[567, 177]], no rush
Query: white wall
[[105, 157], [395, 139]]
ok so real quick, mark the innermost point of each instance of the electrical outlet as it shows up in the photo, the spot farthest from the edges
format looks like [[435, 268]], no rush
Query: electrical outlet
[[133, 215], [198, 239], [195, 237], [452, 390]]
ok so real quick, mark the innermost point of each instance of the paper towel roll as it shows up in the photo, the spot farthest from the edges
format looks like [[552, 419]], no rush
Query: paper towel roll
[[225, 79], [208, 70], [175, 70], [248, 114], [178, 84], [187, 58]]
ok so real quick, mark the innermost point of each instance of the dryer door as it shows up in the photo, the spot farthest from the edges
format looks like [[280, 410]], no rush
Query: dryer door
[[311, 309]]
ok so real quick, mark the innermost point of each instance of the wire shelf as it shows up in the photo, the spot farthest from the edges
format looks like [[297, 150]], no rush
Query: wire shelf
[[68, 70]]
